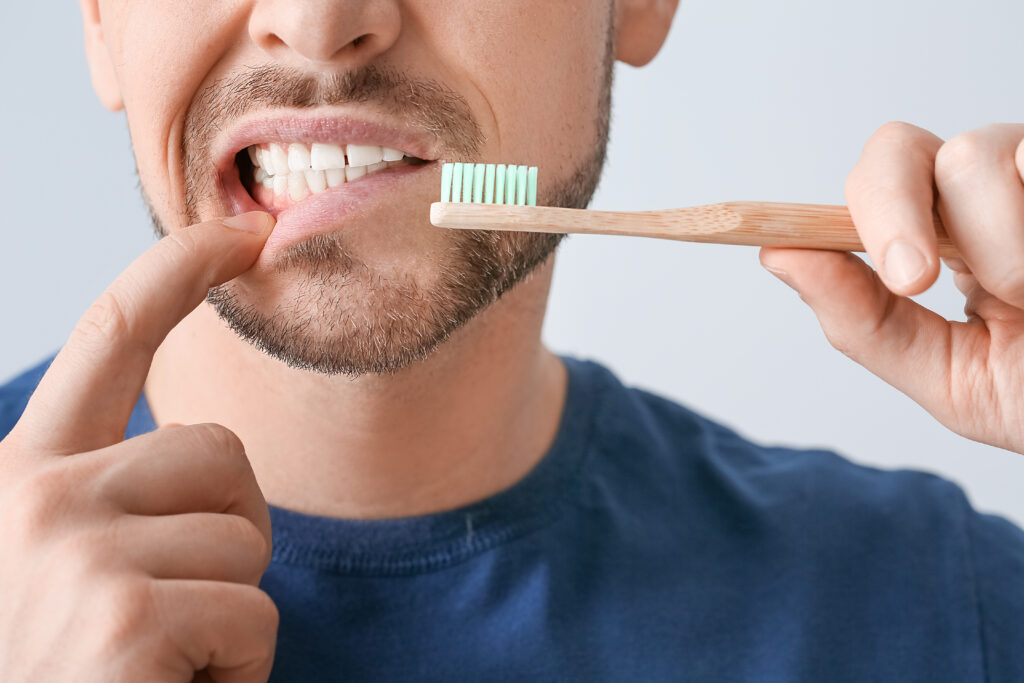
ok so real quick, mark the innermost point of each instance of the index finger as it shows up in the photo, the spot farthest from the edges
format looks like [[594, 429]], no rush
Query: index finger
[[891, 196], [84, 400]]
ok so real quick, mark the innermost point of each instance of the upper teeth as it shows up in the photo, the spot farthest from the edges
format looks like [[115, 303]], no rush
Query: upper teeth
[[296, 168]]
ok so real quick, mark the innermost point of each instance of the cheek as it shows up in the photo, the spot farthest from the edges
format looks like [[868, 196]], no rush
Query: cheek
[[537, 67], [166, 49]]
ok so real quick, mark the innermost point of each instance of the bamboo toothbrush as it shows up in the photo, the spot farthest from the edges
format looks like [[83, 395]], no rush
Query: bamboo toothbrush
[[500, 197]]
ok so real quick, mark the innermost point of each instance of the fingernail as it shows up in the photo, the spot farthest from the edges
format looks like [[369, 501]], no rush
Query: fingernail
[[781, 274], [904, 264], [254, 221]]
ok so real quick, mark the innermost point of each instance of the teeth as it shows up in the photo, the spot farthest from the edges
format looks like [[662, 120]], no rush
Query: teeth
[[364, 155], [296, 170], [324, 157], [335, 176], [278, 160], [297, 186], [298, 157], [316, 180], [280, 184]]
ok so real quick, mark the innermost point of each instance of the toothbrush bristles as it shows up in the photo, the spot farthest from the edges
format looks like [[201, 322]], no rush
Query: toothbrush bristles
[[489, 184]]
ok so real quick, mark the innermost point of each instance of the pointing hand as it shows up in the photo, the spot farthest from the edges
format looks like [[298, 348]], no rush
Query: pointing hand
[[134, 560]]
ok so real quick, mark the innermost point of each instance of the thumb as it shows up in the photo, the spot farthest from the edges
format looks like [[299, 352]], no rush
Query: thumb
[[84, 400], [897, 339]]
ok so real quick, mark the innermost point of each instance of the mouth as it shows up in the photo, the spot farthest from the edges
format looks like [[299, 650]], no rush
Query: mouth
[[311, 173], [280, 176]]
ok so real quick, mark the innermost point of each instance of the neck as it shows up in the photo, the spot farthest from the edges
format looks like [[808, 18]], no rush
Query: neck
[[467, 422]]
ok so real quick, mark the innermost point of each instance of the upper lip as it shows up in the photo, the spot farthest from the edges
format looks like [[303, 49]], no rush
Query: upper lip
[[310, 127]]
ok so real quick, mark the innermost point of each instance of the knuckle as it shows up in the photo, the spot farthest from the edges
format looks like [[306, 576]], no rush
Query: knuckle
[[839, 342], [125, 615], [251, 538], [854, 181], [902, 137], [104, 321], [220, 439], [179, 247], [896, 133], [961, 154], [262, 620], [855, 337], [266, 614], [36, 505], [859, 185]]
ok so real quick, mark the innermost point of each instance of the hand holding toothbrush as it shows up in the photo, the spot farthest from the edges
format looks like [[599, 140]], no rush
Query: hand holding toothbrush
[[968, 375]]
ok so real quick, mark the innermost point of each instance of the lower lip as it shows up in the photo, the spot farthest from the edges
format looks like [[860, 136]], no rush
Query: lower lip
[[328, 210]]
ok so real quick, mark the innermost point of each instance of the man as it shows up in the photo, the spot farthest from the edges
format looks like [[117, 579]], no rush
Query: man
[[449, 500]]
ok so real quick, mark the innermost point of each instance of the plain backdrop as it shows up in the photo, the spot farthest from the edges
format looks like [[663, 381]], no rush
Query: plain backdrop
[[749, 100]]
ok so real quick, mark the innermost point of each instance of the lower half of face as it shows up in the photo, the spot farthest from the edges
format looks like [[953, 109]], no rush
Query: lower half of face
[[354, 278]]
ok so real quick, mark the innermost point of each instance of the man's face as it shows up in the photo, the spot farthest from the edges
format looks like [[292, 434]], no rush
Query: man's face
[[354, 279]]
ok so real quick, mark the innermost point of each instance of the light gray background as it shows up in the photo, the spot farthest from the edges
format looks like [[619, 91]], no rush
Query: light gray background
[[749, 100]]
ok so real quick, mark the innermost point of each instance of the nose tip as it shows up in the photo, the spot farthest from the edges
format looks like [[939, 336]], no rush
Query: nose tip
[[325, 31]]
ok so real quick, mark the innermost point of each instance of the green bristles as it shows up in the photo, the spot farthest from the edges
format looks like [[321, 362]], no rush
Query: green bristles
[[446, 182], [478, 184], [467, 182], [510, 185], [499, 184], [456, 182], [489, 184]]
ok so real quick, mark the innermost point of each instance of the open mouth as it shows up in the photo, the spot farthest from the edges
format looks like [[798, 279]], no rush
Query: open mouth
[[319, 173], [278, 176]]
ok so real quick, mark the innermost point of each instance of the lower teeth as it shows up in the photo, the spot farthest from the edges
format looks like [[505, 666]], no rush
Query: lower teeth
[[298, 184]]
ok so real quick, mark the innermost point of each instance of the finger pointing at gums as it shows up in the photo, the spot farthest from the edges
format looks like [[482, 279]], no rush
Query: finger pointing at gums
[[88, 393]]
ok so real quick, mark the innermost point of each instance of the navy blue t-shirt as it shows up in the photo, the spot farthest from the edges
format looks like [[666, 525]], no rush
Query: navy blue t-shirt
[[651, 544]]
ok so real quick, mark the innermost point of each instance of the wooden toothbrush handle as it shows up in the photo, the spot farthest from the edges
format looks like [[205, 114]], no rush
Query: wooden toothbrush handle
[[758, 224], [813, 226]]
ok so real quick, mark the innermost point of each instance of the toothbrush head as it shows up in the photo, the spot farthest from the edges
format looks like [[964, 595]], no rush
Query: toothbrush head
[[489, 184]]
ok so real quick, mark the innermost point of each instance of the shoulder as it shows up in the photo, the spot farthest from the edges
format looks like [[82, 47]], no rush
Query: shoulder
[[901, 550], [997, 560], [689, 460], [14, 394]]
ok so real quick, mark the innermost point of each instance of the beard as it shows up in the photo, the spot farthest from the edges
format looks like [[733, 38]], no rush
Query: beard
[[344, 316]]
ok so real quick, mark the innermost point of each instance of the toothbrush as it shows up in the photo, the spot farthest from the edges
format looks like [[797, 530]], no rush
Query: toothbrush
[[503, 197]]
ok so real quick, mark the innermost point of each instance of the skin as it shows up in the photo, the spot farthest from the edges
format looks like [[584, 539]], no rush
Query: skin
[[423, 439], [140, 559], [966, 374]]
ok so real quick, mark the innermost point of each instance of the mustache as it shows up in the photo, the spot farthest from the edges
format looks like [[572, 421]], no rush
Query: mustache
[[424, 104]]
